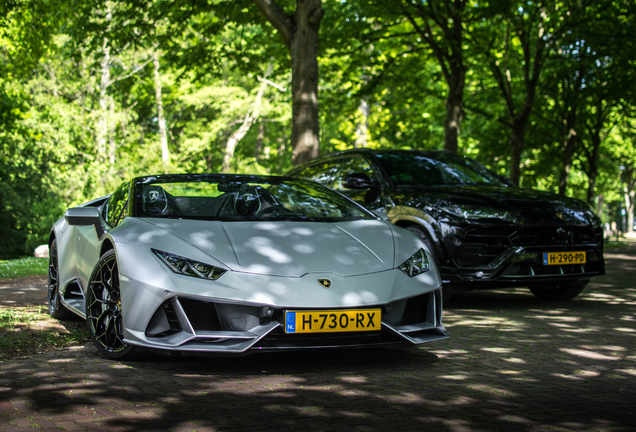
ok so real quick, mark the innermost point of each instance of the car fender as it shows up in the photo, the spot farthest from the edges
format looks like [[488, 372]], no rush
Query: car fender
[[404, 216]]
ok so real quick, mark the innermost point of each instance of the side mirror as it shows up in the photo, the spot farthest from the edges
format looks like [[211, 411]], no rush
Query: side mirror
[[358, 181], [505, 180], [85, 216], [380, 214]]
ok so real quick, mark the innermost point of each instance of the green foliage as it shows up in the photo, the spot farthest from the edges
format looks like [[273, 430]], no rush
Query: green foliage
[[54, 101], [22, 267]]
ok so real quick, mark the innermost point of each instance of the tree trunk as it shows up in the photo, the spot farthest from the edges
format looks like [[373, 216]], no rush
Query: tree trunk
[[258, 145], [441, 27], [593, 161], [454, 108], [362, 128], [517, 139], [249, 119], [300, 33], [112, 144], [568, 152], [102, 124], [163, 135], [304, 55], [630, 196]]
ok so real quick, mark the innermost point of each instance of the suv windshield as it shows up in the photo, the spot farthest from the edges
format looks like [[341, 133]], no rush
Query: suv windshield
[[241, 198], [434, 169]]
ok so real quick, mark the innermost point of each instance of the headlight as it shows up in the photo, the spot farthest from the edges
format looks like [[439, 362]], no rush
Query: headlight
[[188, 267], [418, 263], [471, 213]]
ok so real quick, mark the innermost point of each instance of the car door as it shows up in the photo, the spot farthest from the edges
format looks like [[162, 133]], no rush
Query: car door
[[88, 245]]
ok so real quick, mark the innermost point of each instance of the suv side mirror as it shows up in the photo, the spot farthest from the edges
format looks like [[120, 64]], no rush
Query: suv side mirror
[[505, 180], [85, 216], [358, 181]]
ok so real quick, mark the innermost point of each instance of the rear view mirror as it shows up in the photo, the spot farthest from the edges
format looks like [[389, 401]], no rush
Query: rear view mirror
[[85, 216]]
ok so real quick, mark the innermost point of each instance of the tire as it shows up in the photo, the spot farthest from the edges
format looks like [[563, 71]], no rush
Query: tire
[[565, 291], [415, 229], [103, 311], [56, 308]]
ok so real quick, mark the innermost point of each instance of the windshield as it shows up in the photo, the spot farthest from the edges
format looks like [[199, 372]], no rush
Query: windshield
[[434, 169], [241, 198]]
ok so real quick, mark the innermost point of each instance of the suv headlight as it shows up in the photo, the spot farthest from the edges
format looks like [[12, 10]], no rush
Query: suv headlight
[[416, 264], [475, 214], [188, 267]]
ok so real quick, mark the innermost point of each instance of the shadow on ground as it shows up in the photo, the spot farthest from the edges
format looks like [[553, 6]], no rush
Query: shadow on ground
[[512, 363]]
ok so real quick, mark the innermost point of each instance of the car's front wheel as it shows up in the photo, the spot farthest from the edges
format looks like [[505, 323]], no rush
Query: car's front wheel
[[104, 313], [564, 291]]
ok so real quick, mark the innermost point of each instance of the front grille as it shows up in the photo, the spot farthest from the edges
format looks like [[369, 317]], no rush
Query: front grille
[[482, 245]]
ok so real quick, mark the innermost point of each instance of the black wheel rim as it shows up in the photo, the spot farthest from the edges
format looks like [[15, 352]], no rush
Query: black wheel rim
[[104, 306], [53, 278]]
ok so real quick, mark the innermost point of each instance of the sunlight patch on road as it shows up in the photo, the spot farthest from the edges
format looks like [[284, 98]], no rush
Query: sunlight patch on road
[[514, 360], [588, 354], [493, 390], [354, 379], [628, 296], [625, 330], [498, 350], [481, 321], [455, 377], [555, 318]]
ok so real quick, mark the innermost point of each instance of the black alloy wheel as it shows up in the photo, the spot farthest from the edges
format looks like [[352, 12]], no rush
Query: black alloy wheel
[[564, 291], [104, 313], [56, 308]]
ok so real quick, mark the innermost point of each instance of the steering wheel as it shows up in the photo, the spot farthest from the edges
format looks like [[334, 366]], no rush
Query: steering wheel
[[273, 209]]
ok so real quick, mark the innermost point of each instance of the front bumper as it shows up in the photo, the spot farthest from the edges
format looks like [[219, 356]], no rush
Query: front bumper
[[242, 312], [488, 257], [195, 325]]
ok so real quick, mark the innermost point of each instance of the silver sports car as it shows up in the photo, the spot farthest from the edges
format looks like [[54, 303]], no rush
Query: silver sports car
[[231, 264]]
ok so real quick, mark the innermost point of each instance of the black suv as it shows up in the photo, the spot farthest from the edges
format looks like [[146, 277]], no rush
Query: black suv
[[483, 232]]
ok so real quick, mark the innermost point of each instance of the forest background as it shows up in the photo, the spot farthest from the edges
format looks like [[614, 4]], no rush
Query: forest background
[[93, 93]]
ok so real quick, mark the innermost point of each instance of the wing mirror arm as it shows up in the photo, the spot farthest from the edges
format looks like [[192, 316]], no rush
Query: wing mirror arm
[[85, 216]]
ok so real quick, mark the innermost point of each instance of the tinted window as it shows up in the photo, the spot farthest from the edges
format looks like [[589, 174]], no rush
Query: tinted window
[[115, 209], [434, 169], [333, 173]]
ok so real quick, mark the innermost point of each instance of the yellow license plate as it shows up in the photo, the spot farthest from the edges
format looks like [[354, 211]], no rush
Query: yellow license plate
[[327, 321], [563, 258]]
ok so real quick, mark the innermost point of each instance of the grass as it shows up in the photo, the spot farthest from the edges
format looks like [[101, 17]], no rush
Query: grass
[[26, 331], [613, 245], [22, 267]]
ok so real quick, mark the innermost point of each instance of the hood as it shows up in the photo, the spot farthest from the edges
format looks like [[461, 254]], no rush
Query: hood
[[524, 206], [273, 248]]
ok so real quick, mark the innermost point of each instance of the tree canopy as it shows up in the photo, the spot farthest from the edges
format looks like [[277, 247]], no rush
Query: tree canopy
[[95, 92]]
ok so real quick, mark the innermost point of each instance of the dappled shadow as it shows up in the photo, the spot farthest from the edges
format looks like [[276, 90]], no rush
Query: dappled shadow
[[513, 363]]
